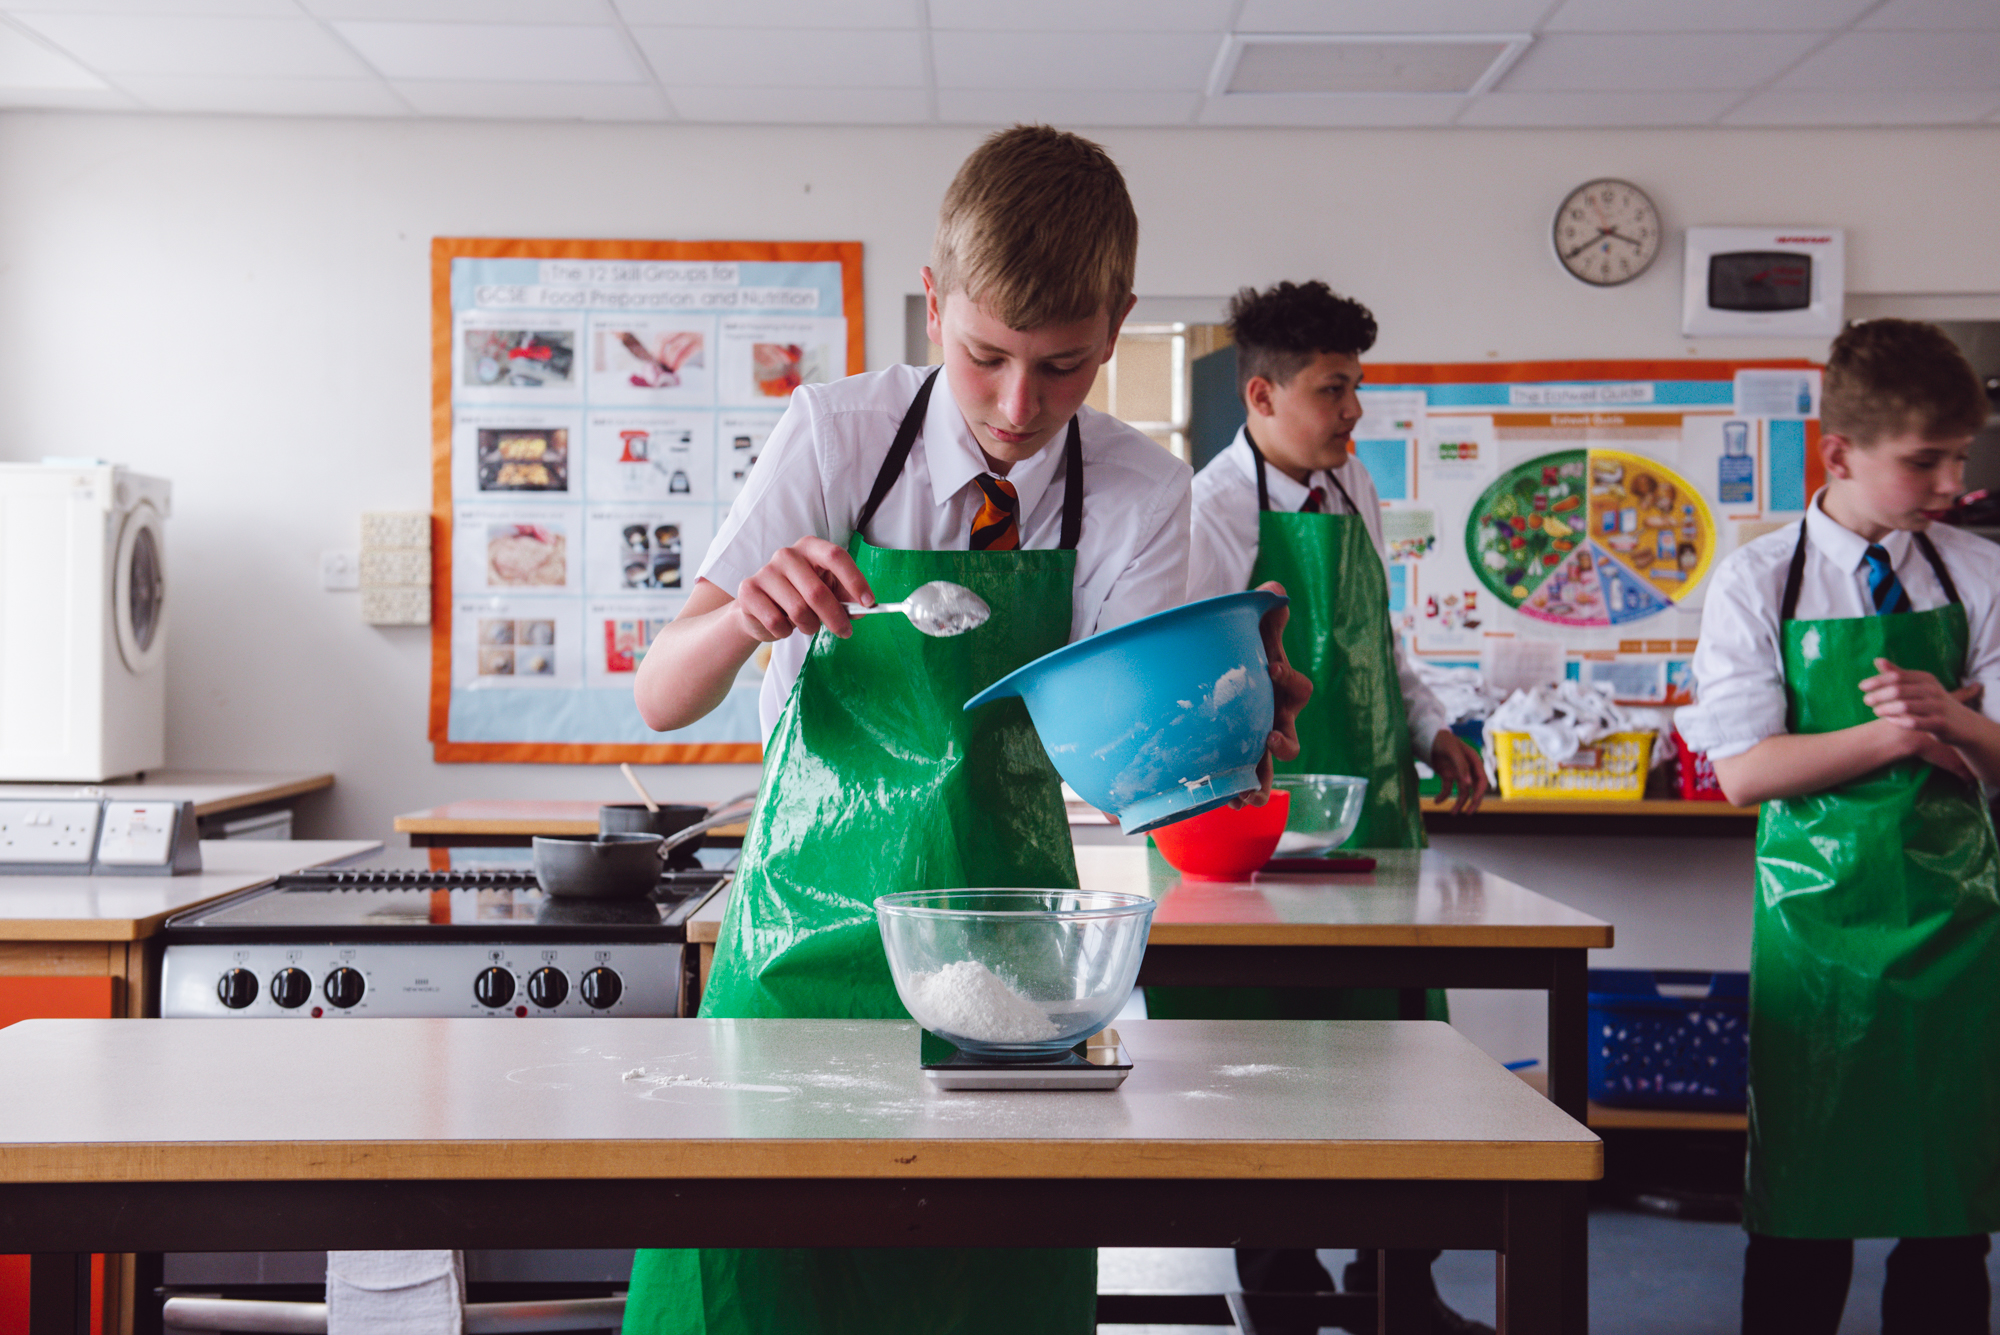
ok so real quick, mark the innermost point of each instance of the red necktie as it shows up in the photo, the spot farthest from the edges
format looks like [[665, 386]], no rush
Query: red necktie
[[1315, 502], [997, 526]]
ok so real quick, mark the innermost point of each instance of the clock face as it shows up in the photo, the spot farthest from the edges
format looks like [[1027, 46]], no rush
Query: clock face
[[1607, 232]]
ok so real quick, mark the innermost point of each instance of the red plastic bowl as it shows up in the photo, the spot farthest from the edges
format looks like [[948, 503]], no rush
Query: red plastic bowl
[[1226, 844]]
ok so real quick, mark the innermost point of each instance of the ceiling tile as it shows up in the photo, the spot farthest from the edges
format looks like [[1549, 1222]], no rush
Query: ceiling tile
[[273, 9], [1705, 15], [801, 106], [775, 13], [504, 52], [265, 97], [1069, 16], [1672, 63], [501, 100], [1359, 16], [1599, 110], [250, 48], [66, 99], [1353, 110], [1066, 107], [753, 58], [1964, 14], [1850, 106], [1084, 61], [26, 63], [462, 11], [1892, 60], [1315, 64]]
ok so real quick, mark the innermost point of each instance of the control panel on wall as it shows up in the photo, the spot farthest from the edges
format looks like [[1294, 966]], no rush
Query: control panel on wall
[[101, 836]]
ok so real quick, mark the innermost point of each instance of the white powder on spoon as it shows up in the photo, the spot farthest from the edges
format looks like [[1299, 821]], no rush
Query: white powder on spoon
[[970, 1000]]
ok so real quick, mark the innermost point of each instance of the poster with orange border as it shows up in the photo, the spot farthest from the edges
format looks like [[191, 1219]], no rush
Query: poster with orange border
[[1582, 504], [596, 407]]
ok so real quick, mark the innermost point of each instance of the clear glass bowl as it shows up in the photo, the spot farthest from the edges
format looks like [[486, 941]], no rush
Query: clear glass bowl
[[1325, 810], [1008, 973]]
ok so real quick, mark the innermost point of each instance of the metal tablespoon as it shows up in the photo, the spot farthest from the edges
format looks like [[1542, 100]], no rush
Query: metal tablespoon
[[937, 608]]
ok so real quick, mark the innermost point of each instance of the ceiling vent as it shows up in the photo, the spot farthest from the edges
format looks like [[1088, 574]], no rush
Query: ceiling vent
[[1446, 65]]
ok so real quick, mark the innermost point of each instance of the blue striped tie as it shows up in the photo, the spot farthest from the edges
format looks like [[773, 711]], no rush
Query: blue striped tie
[[1883, 585]]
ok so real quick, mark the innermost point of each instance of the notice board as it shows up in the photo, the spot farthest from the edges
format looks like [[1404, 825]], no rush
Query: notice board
[[1580, 504], [596, 407]]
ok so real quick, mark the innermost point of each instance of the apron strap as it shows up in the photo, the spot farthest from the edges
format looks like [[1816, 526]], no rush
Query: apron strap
[[1264, 485], [906, 438], [899, 452], [1790, 604]]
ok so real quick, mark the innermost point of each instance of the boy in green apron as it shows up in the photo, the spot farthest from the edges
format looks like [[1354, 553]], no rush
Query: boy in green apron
[[1066, 522], [1288, 501], [1840, 678]]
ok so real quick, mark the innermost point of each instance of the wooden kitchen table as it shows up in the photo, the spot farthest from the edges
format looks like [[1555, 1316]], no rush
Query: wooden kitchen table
[[500, 823], [212, 1136]]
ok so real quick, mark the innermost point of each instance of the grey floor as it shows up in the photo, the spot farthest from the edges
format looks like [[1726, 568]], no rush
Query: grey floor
[[1648, 1276]]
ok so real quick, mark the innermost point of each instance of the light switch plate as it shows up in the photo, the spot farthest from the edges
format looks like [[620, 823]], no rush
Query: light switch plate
[[340, 571], [148, 839]]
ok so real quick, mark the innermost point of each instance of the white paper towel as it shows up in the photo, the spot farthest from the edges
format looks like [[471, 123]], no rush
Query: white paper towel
[[395, 1293]]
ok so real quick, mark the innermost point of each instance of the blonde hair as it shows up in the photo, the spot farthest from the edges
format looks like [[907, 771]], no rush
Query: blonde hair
[[1038, 228], [1886, 377]]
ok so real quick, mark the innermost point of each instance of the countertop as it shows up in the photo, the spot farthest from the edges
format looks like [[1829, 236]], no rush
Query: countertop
[[211, 791]]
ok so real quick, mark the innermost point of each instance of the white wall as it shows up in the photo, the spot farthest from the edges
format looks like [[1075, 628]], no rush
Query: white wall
[[243, 306]]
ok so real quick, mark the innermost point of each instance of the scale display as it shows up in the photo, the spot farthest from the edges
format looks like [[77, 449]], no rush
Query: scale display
[[1590, 538]]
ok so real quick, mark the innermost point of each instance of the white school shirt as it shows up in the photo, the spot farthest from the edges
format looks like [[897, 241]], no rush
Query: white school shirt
[[815, 472], [1739, 666], [1223, 549]]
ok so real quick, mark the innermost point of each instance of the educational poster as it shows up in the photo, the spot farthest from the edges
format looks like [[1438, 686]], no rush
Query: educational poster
[[1578, 508], [597, 406]]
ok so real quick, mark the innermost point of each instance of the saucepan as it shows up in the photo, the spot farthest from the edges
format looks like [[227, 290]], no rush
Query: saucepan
[[618, 866], [665, 819]]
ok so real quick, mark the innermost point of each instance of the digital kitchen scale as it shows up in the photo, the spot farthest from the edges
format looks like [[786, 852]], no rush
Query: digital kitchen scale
[[1099, 1062]]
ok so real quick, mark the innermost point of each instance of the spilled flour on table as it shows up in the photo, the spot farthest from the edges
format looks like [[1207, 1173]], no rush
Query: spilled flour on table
[[968, 999], [1239, 1072]]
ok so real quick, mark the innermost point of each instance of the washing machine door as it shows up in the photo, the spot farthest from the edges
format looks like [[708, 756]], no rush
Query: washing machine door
[[139, 590]]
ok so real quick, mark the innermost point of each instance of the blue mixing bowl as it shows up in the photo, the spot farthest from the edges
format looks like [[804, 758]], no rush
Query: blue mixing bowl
[[1159, 719]]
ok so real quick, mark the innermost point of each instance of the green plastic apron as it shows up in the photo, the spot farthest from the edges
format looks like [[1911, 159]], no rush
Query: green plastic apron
[[1355, 723], [1874, 966], [878, 781]]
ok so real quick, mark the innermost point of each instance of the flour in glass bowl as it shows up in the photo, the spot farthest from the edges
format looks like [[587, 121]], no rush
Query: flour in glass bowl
[[971, 1001]]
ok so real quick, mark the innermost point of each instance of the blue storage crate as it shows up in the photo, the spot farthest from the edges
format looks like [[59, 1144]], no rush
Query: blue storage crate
[[1688, 1047]]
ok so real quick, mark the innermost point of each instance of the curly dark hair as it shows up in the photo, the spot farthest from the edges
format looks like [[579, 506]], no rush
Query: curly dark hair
[[1885, 377], [1279, 330]]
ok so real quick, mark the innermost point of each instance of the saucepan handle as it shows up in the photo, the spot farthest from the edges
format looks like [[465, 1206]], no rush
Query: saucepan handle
[[727, 814]]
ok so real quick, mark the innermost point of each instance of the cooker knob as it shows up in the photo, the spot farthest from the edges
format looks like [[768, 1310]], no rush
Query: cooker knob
[[238, 988], [344, 986], [547, 988], [290, 988], [601, 989], [494, 987]]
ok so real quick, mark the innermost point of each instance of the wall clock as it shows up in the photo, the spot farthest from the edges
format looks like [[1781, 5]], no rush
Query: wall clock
[[1607, 232]]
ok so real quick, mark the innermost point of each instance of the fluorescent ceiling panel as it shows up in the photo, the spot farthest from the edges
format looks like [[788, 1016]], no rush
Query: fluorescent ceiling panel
[[246, 48], [1136, 16], [1351, 110], [1660, 62], [1556, 110], [1862, 106], [1961, 14], [1112, 62], [782, 14], [463, 11], [1915, 61], [494, 100], [799, 106], [508, 52], [265, 97], [1008, 106], [26, 63], [1630, 16], [1374, 16], [1344, 65], [755, 58]]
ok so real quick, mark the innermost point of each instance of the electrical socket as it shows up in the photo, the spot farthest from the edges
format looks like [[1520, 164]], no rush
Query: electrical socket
[[48, 832], [340, 571]]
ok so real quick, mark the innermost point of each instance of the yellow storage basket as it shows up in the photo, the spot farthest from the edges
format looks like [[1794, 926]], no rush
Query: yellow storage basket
[[1610, 769]]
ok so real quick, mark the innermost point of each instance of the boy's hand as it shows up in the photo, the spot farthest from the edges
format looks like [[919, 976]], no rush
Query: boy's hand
[[801, 588], [1936, 753], [1459, 770], [1917, 700], [1290, 690]]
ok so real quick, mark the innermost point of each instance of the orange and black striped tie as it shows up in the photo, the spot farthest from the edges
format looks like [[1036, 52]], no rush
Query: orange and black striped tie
[[997, 526]]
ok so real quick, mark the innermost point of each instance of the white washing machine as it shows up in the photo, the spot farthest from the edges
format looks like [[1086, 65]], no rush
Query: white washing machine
[[83, 622]]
